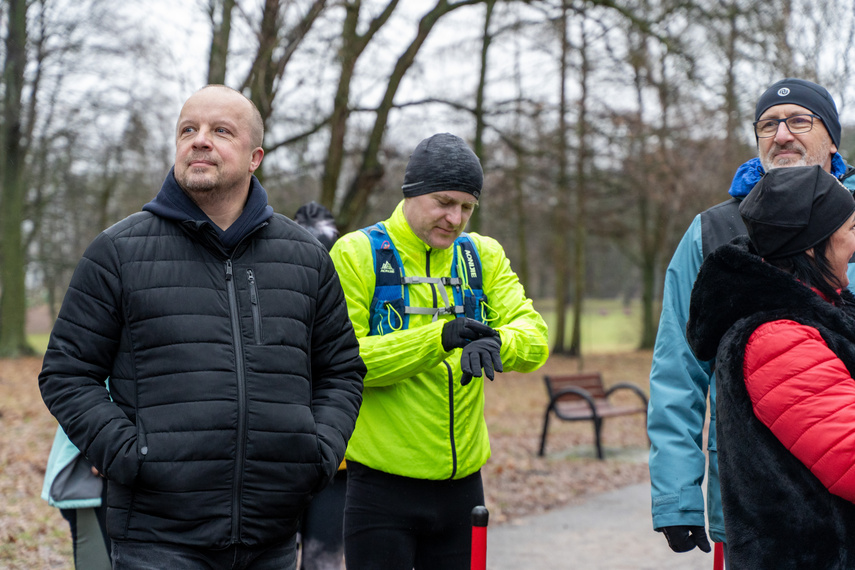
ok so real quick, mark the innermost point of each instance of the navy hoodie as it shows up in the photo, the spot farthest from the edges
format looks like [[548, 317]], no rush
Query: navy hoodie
[[173, 204]]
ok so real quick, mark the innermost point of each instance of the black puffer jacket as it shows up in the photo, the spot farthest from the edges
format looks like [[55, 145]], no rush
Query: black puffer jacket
[[234, 372]]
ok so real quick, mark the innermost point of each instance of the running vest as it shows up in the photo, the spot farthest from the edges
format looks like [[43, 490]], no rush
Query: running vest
[[720, 224], [390, 308]]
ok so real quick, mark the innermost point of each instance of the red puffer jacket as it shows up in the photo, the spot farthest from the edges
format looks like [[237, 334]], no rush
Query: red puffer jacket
[[805, 395]]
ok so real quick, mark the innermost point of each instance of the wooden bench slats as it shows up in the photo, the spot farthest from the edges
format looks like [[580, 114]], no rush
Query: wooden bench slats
[[572, 396], [604, 409]]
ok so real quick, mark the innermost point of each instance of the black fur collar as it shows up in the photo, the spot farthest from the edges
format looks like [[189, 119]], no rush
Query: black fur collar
[[735, 283]]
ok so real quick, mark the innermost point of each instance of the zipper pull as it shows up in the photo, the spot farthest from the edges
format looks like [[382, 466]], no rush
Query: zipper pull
[[228, 270], [253, 294]]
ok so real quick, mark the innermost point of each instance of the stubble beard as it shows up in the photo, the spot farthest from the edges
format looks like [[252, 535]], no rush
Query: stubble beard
[[204, 189], [198, 182], [817, 158]]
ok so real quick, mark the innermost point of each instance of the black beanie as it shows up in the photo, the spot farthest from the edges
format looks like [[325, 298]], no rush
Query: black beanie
[[443, 162], [319, 221], [806, 94], [792, 209]]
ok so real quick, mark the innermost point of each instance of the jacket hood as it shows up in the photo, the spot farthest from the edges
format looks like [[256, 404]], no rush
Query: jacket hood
[[752, 171], [173, 204], [735, 283]]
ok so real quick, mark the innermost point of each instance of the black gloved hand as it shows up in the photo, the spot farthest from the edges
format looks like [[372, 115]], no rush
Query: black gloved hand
[[683, 538], [482, 353], [457, 333]]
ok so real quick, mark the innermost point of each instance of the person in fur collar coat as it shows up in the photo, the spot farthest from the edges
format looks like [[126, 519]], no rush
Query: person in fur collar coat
[[774, 311]]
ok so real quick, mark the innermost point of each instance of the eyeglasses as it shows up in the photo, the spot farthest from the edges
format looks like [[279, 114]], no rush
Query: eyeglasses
[[797, 124]]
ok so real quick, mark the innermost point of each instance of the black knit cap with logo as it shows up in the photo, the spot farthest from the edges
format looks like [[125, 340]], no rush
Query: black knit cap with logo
[[443, 162], [806, 94], [793, 209]]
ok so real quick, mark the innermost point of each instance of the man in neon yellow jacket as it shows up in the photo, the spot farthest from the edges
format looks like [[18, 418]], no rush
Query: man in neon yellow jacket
[[432, 308]]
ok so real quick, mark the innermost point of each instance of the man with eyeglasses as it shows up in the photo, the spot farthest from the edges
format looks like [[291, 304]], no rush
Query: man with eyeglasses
[[796, 124]]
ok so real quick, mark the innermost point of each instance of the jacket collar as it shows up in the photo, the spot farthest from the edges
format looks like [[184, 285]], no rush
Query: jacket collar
[[752, 171], [735, 283], [173, 204]]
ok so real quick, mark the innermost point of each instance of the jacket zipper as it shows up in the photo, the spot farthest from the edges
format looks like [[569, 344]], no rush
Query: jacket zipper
[[241, 386], [450, 384], [256, 309]]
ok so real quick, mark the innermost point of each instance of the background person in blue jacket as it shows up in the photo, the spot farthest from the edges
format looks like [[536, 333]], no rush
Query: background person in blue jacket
[[796, 124], [73, 486]]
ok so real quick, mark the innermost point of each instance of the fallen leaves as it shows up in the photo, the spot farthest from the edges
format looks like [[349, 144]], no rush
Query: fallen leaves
[[517, 482]]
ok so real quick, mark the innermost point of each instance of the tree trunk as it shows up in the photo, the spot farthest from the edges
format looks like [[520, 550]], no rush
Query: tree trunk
[[475, 220], [519, 173], [581, 218], [13, 299], [352, 46], [371, 170], [220, 12], [274, 52], [560, 241]]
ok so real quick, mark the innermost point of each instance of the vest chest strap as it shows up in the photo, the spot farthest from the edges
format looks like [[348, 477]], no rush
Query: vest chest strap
[[436, 312]]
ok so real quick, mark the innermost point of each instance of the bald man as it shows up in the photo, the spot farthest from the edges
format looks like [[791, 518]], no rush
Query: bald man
[[234, 372]]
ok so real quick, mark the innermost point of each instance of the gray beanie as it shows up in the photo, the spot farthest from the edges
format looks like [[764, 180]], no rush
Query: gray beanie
[[443, 162], [806, 94]]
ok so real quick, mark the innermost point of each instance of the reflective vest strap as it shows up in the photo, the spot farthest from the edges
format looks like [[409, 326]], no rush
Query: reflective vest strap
[[388, 285], [390, 307], [471, 297]]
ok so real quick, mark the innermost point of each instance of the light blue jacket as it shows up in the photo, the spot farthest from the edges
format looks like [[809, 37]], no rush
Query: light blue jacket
[[69, 482], [680, 384]]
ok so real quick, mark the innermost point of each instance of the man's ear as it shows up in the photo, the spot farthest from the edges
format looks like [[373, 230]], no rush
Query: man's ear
[[257, 155], [809, 252]]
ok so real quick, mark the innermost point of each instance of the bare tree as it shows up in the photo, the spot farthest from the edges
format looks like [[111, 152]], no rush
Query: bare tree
[[13, 340], [371, 170], [561, 220], [486, 40], [583, 163], [353, 45], [220, 14]]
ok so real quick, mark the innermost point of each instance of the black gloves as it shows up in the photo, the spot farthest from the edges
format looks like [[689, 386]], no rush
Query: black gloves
[[457, 333], [480, 344], [684, 538], [478, 354]]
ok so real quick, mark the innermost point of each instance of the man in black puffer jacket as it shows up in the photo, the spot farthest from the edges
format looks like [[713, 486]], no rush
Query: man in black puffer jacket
[[234, 374]]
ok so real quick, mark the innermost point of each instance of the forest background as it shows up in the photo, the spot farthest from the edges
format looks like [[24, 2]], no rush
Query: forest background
[[603, 126]]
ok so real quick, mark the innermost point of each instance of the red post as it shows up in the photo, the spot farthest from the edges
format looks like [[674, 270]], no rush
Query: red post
[[718, 556], [480, 516]]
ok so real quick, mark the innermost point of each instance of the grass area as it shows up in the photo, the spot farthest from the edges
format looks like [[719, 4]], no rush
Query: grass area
[[608, 325], [39, 342]]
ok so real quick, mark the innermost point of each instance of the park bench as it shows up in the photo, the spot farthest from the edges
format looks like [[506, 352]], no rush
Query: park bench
[[582, 397]]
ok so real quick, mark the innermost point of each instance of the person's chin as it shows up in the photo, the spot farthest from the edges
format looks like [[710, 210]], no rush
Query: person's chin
[[198, 184], [442, 242], [788, 160]]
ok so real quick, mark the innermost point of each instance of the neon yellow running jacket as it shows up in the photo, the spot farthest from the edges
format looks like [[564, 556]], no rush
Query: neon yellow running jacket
[[416, 420]]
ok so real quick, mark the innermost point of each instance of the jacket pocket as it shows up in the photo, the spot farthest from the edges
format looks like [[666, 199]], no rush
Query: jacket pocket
[[142, 452], [256, 307]]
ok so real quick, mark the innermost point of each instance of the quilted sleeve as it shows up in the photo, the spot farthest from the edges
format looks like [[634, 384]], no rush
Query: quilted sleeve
[[804, 394], [79, 359]]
